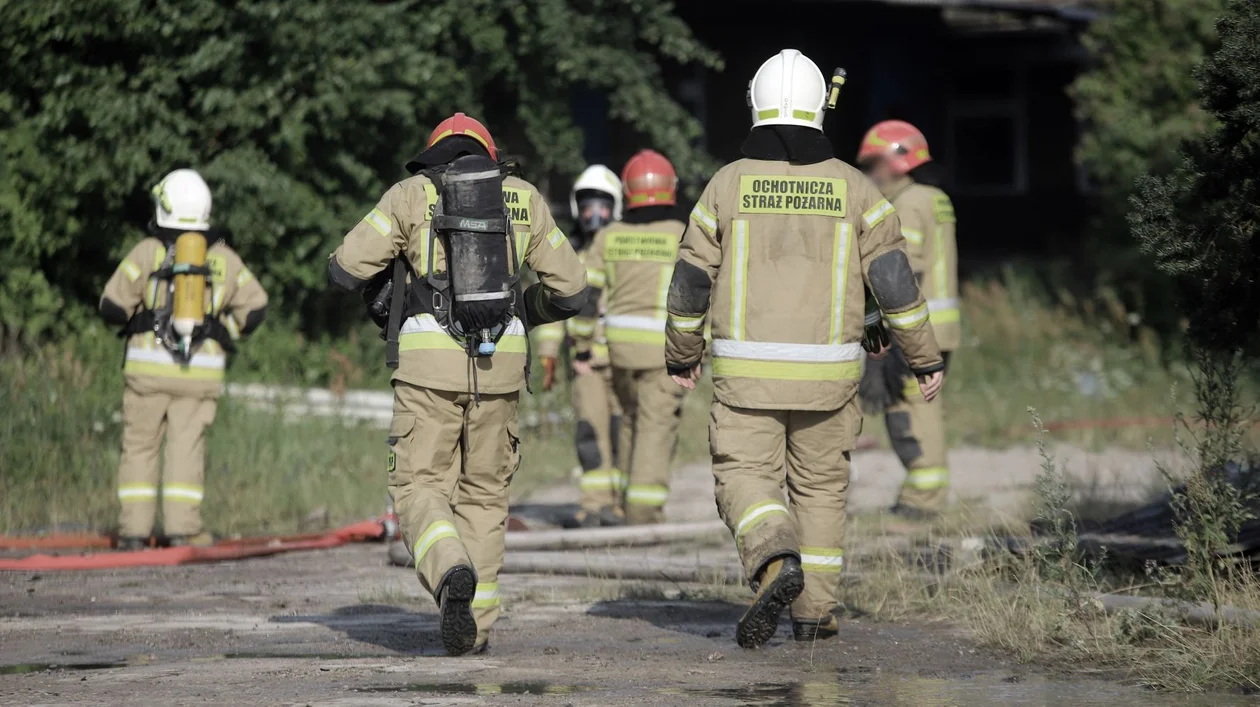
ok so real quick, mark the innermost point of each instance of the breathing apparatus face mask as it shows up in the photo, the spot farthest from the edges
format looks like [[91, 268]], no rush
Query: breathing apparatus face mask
[[594, 211]]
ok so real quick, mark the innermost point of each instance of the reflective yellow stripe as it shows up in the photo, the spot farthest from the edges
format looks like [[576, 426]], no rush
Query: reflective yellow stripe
[[913, 236], [522, 246], [183, 493], [599, 352], [877, 213], [133, 492], [234, 331], [130, 269], [579, 326], [787, 370], [678, 322], [804, 114], [172, 370], [662, 290], [438, 340], [150, 295], [653, 495], [942, 285], [617, 335], [603, 480], [243, 277], [945, 316], [556, 238], [739, 277], [550, 332], [928, 478], [909, 318], [486, 596], [378, 220], [757, 512], [704, 218], [825, 560], [596, 279], [839, 280], [436, 531], [423, 266], [767, 114]]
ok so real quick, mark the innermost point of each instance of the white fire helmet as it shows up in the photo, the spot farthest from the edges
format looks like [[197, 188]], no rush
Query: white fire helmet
[[599, 178], [181, 201], [788, 90]]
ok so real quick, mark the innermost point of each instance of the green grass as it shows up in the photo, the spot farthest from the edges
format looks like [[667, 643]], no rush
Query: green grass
[[59, 432]]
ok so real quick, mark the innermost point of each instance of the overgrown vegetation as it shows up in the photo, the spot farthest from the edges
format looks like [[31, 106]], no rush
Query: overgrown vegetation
[[299, 113], [1201, 224]]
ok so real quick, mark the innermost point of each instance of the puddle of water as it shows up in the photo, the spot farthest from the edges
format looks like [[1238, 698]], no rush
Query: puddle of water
[[978, 691], [20, 668], [507, 688]]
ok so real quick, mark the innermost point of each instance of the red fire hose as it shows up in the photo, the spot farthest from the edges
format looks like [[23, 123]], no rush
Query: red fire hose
[[365, 531]]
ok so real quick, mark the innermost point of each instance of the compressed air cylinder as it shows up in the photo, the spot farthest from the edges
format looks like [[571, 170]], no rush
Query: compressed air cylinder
[[189, 305]]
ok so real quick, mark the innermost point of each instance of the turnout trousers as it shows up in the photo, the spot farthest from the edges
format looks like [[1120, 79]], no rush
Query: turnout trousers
[[450, 463], [651, 409], [916, 430], [603, 481], [755, 454], [148, 416]]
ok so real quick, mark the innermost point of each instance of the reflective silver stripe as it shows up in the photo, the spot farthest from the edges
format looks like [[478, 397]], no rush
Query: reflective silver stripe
[[756, 511], [198, 360], [822, 560], [940, 305], [482, 296], [634, 321], [738, 287], [908, 318], [840, 280], [768, 351], [422, 323], [704, 218]]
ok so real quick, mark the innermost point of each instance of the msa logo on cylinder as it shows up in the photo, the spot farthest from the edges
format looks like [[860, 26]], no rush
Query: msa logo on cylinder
[[472, 224]]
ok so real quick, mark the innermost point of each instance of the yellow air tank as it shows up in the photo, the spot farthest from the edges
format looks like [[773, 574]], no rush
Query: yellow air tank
[[189, 303]]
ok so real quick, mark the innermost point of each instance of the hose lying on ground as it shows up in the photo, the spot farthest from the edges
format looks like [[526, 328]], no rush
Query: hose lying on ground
[[364, 531]]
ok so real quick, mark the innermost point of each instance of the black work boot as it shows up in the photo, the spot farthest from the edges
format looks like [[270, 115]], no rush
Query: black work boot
[[458, 626], [779, 584], [912, 513], [611, 517], [815, 629], [126, 544]]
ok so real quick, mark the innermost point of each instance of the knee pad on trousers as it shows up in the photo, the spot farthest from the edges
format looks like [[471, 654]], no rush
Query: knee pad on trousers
[[902, 437], [587, 446]]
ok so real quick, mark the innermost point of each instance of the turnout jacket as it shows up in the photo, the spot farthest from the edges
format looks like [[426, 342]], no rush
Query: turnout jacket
[[550, 337], [775, 256], [233, 296], [927, 222], [632, 263], [428, 356]]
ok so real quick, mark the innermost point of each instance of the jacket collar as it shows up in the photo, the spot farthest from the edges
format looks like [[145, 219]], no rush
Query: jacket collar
[[795, 144]]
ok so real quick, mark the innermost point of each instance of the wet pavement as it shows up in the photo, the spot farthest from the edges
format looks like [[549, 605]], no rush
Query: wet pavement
[[340, 627]]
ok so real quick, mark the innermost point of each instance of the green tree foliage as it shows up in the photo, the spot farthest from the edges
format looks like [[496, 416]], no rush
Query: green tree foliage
[[299, 113], [1139, 99], [1201, 225]]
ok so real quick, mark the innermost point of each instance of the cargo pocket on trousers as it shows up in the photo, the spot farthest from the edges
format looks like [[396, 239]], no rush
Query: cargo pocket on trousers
[[717, 417], [399, 439]]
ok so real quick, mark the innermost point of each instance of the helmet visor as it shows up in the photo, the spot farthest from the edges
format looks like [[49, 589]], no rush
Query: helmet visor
[[595, 211]]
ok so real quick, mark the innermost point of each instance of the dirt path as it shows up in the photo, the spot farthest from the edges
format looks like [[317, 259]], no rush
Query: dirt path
[[340, 627]]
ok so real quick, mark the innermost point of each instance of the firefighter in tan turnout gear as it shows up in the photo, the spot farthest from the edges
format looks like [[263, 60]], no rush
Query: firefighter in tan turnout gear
[[439, 260], [895, 155], [594, 201], [182, 297], [631, 263], [775, 255]]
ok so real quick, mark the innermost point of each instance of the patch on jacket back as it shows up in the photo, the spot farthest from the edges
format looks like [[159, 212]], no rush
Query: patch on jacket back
[[777, 194]]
